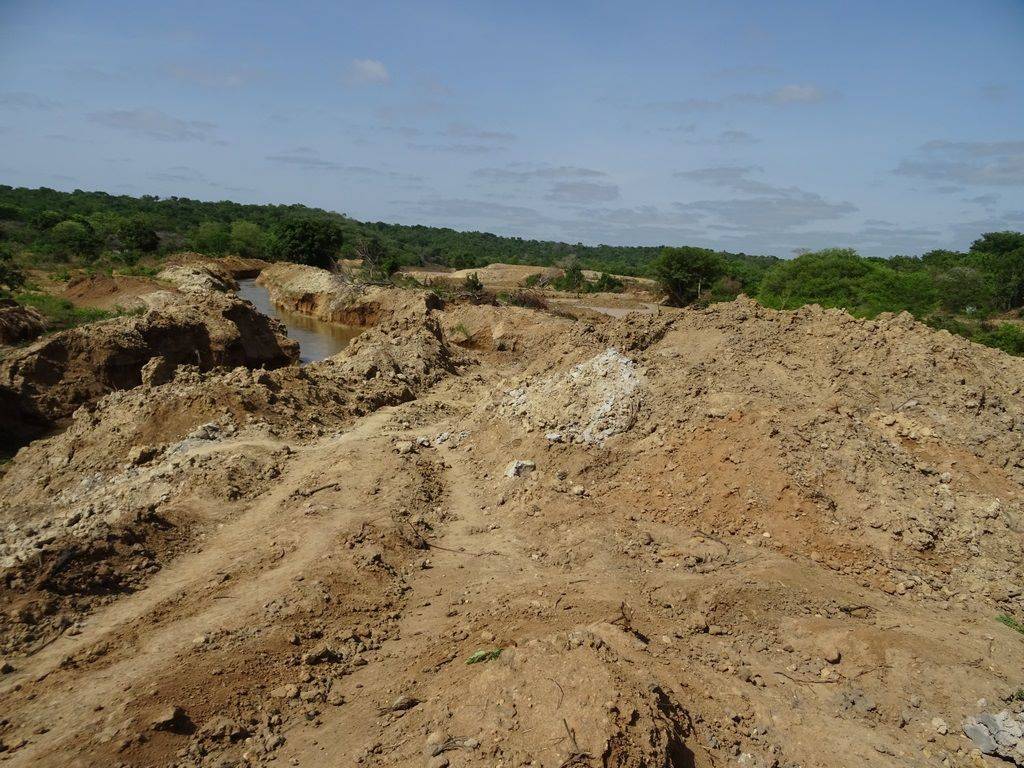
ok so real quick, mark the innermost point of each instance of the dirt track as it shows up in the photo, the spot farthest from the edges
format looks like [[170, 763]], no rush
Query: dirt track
[[762, 539]]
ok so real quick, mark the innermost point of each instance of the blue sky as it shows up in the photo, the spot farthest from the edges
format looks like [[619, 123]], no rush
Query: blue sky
[[765, 127]]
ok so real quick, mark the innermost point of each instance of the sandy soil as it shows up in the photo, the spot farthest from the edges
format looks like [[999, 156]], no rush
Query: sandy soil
[[488, 536]]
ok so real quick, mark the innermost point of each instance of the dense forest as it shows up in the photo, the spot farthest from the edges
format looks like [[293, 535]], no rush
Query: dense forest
[[121, 225], [978, 293]]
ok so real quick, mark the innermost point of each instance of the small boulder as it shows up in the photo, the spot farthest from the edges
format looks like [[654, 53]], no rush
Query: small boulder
[[520, 468]]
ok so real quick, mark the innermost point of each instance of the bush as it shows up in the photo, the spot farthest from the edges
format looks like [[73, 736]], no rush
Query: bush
[[73, 238], [472, 283], [572, 279], [525, 298], [306, 241], [211, 237], [136, 234], [47, 219], [11, 277], [685, 273], [1007, 337], [248, 239], [605, 283], [11, 212], [838, 277]]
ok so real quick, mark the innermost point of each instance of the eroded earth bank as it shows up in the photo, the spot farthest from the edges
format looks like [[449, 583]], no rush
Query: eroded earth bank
[[730, 536]]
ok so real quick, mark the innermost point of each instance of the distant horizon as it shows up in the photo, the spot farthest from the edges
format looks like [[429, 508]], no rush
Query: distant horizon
[[739, 127]]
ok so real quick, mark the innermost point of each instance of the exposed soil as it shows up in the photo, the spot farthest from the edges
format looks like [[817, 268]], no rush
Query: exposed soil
[[19, 324], [486, 536]]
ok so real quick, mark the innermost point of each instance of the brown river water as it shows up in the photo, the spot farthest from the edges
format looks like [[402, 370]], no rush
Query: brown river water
[[316, 338]]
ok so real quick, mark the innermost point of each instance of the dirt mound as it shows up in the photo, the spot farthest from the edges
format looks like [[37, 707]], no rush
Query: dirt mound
[[43, 384], [110, 291], [236, 267], [588, 403], [18, 323], [736, 536], [198, 277], [329, 297]]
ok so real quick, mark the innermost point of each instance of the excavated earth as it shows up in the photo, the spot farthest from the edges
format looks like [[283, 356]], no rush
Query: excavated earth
[[485, 536]]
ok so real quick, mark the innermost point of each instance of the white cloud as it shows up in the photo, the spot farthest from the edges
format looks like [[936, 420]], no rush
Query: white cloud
[[367, 72]]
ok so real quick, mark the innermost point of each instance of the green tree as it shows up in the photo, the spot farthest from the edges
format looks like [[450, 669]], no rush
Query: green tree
[[73, 238], [572, 278], [308, 241], [998, 243], [965, 289], [211, 237], [9, 212], [47, 219], [685, 273], [136, 234], [248, 239]]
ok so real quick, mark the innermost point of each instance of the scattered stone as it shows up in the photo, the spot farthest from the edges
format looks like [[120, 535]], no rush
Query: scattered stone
[[172, 718], [403, 703], [520, 468], [288, 691]]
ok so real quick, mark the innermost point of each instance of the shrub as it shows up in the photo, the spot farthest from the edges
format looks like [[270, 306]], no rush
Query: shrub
[[838, 277], [472, 283], [136, 234], [526, 298], [211, 237], [605, 283], [73, 238], [11, 277], [248, 239]]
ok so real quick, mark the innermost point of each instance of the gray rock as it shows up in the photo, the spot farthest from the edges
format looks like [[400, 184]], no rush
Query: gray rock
[[980, 735], [519, 468]]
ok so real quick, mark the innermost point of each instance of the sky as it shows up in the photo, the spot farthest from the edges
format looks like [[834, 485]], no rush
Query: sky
[[745, 126]]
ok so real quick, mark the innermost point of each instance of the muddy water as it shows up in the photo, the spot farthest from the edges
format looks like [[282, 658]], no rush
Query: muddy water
[[316, 338]]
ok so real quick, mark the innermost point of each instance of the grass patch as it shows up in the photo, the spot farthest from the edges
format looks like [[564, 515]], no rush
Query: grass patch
[[1011, 622], [60, 313]]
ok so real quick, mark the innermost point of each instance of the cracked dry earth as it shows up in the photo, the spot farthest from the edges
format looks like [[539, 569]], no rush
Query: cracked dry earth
[[720, 537]]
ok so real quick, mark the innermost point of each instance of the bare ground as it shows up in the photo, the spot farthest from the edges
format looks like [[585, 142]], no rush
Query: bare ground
[[734, 537]]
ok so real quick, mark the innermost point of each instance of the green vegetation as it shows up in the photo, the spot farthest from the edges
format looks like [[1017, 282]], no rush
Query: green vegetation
[[258, 230], [60, 313], [685, 273], [484, 655], [1012, 623]]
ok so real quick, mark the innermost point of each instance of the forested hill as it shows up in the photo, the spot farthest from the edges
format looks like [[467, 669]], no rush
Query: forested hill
[[214, 227]]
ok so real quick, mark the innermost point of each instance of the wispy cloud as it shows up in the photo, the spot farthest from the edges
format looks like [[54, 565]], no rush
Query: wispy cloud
[[26, 100], [768, 207], [211, 77], [456, 148], [309, 159], [985, 163], [466, 131], [156, 124], [366, 72], [519, 173], [582, 192], [786, 95]]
